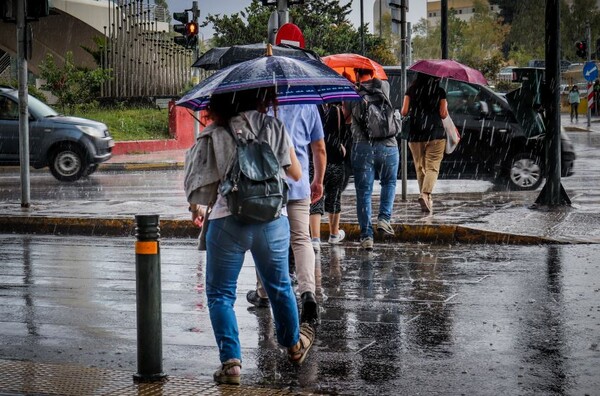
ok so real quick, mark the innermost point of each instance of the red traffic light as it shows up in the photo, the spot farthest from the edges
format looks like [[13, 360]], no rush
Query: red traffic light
[[191, 29], [581, 49]]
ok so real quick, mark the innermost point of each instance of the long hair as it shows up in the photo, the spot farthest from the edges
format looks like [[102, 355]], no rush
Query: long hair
[[222, 107]]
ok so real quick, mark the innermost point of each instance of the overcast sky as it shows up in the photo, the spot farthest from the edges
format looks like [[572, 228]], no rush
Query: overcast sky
[[417, 10]]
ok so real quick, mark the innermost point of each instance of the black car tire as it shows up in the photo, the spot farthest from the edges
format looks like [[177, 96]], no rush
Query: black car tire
[[67, 163], [525, 172]]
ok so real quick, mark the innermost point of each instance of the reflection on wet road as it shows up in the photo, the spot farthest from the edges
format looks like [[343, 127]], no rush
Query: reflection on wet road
[[406, 319]]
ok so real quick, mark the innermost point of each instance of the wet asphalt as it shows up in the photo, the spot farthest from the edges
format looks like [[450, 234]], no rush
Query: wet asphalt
[[404, 319]]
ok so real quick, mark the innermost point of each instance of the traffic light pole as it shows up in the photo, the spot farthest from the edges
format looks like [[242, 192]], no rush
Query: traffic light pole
[[23, 104], [588, 31], [195, 70]]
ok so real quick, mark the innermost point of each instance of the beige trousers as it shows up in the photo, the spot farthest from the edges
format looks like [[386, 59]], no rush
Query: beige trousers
[[427, 157], [304, 254]]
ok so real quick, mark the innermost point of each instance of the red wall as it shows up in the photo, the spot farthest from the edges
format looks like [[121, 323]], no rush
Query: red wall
[[181, 129]]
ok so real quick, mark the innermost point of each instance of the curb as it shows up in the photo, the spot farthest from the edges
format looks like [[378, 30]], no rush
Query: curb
[[171, 228], [136, 166]]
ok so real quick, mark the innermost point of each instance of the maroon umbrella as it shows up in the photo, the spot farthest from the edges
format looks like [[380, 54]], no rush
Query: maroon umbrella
[[447, 68]]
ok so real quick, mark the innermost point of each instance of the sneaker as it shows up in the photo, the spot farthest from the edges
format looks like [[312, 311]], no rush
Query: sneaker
[[316, 242], [259, 302], [310, 309], [366, 243], [385, 227], [333, 239]]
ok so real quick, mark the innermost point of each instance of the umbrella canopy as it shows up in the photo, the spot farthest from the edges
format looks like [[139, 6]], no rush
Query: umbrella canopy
[[220, 57], [298, 81], [348, 63], [447, 68]]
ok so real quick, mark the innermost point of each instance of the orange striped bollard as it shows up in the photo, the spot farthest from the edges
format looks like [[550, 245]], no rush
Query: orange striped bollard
[[148, 300]]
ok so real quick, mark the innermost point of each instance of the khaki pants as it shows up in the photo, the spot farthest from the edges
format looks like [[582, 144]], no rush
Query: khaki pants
[[427, 157], [304, 254]]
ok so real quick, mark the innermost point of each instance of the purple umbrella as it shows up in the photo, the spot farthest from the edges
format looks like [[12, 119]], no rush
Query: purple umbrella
[[296, 80], [448, 68]]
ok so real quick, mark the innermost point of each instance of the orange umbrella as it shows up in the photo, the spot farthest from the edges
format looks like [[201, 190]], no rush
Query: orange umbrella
[[346, 65]]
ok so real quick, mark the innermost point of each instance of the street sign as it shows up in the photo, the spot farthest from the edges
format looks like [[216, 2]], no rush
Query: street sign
[[291, 34], [590, 71]]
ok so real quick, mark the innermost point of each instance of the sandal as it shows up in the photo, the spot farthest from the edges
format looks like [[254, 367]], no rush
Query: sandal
[[298, 352], [222, 376]]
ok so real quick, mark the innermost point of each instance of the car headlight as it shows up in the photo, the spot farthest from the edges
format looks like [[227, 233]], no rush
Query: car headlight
[[88, 130]]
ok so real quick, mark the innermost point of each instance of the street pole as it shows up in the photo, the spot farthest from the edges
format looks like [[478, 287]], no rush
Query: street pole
[[283, 13], [444, 26], [588, 31], [23, 103], [403, 51], [195, 70], [362, 25], [553, 193]]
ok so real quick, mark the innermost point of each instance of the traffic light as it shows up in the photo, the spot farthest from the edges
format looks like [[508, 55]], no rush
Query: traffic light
[[34, 9], [187, 28], [181, 27], [581, 48]]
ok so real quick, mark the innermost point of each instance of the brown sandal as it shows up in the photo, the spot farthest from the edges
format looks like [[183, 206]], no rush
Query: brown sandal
[[297, 354], [222, 377]]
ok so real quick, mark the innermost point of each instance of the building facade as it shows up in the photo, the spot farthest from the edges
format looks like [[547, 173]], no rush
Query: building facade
[[465, 10]]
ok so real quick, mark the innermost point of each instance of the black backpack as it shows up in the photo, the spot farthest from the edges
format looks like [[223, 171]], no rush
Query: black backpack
[[377, 116], [253, 187]]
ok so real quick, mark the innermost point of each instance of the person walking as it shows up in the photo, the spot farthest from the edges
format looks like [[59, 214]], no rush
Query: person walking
[[337, 141], [370, 157], [425, 103], [574, 102], [226, 239], [303, 124]]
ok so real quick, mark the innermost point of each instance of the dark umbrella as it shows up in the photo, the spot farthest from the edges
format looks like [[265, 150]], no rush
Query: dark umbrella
[[220, 57], [298, 81], [448, 68]]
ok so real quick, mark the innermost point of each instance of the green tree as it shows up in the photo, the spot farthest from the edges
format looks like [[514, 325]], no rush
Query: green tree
[[72, 85], [324, 23], [477, 42]]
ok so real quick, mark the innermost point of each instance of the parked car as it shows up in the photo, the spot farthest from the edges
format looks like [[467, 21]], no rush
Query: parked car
[[501, 140], [71, 147], [505, 74]]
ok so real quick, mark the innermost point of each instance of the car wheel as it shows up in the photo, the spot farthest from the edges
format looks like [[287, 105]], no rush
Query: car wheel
[[67, 163], [525, 172]]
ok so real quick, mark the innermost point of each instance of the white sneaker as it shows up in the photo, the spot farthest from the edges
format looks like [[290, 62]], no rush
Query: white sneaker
[[333, 239], [367, 243], [316, 242]]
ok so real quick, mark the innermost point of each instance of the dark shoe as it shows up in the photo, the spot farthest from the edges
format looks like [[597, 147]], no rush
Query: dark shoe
[[228, 373], [298, 352], [256, 300], [310, 309], [424, 202]]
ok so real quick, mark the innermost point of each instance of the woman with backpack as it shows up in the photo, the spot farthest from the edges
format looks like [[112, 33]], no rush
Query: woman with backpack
[[425, 103], [243, 115]]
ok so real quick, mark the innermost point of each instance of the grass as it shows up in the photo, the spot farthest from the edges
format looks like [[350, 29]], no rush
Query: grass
[[141, 123]]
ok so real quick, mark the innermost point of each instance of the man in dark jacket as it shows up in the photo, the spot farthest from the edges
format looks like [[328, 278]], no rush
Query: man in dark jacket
[[370, 157]]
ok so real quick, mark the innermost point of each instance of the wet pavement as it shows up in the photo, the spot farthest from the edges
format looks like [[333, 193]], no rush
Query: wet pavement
[[454, 304], [406, 319]]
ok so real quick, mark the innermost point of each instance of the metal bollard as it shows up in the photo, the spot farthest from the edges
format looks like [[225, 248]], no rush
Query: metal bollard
[[148, 300]]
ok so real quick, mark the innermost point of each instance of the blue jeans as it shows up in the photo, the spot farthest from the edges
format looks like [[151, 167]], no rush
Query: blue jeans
[[367, 160], [227, 241]]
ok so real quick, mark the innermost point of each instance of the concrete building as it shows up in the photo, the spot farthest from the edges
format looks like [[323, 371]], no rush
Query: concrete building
[[464, 10]]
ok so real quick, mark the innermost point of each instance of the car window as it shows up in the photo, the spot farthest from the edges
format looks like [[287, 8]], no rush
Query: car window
[[39, 108], [462, 97], [9, 109]]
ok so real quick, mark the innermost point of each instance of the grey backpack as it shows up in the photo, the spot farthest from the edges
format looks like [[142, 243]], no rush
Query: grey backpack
[[377, 116], [254, 188]]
